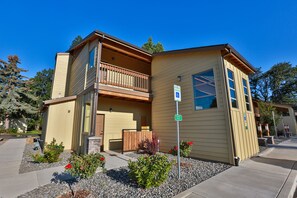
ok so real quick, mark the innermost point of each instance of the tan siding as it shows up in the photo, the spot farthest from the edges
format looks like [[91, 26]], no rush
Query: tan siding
[[77, 125], [78, 72], [207, 128], [60, 75], [245, 139], [124, 115], [60, 123]]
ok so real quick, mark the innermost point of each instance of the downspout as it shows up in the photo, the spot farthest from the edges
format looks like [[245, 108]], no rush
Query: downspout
[[235, 160], [96, 87]]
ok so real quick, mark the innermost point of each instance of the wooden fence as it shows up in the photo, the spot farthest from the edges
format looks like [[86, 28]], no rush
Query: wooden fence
[[131, 138]]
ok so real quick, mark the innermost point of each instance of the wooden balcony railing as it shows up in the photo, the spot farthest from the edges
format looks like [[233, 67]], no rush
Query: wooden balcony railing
[[122, 77]]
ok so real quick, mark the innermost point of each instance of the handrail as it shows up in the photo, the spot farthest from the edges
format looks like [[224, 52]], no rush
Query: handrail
[[122, 77]]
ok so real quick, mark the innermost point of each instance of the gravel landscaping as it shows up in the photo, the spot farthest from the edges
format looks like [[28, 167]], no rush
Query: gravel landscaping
[[28, 165], [49, 190], [116, 182]]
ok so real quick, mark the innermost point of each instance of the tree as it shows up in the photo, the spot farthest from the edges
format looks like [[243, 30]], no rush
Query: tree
[[259, 84], [266, 110], [283, 83], [15, 97], [76, 41], [40, 87], [41, 84], [151, 47]]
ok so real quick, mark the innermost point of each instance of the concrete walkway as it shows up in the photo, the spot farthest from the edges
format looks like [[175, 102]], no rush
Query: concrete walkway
[[13, 184], [271, 174]]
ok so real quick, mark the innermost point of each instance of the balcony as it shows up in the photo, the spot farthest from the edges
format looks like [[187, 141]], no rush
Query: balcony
[[121, 82]]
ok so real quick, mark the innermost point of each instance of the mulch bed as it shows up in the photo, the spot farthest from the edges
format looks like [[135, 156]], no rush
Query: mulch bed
[[28, 165]]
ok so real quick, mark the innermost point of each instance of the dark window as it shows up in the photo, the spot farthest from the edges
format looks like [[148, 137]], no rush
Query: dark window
[[246, 95], [92, 58], [232, 88], [204, 90]]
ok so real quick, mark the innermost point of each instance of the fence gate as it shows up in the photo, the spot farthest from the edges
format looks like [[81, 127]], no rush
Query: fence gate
[[131, 138]]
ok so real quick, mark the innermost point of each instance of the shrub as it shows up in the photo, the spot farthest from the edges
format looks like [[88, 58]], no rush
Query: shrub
[[185, 149], [84, 166], [149, 171], [51, 153], [149, 147]]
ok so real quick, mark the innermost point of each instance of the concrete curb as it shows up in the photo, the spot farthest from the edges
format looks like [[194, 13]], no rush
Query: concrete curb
[[289, 187]]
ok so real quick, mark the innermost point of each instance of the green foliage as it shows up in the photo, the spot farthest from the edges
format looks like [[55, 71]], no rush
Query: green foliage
[[150, 171], [278, 85], [266, 115], [40, 87], [185, 149], [10, 130], [84, 166], [76, 41], [151, 47], [15, 98], [51, 153]]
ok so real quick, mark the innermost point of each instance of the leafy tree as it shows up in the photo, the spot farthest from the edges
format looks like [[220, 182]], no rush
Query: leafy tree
[[40, 87], [76, 41], [15, 97], [151, 47], [259, 84], [283, 83], [278, 85], [266, 110]]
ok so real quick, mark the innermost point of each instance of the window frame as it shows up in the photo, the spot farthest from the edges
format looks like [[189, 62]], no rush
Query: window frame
[[194, 93], [233, 89], [94, 59], [246, 94]]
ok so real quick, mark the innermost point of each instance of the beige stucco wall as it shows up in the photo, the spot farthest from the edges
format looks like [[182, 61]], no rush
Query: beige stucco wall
[[288, 120], [60, 123], [246, 143], [124, 115], [60, 75], [208, 128]]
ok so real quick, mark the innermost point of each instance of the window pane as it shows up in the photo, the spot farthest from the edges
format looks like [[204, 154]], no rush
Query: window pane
[[92, 58], [230, 74], [231, 84], [204, 90], [232, 93], [245, 90], [234, 103], [244, 83], [248, 107]]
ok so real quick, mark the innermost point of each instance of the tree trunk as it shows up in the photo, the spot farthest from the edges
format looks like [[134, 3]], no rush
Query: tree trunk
[[6, 121]]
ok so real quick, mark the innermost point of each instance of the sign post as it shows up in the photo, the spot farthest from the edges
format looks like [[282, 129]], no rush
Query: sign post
[[178, 118]]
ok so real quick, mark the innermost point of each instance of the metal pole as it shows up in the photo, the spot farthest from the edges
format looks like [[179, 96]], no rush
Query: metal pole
[[178, 149], [275, 129]]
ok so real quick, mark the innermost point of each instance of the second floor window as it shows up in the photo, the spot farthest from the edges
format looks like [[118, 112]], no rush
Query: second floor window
[[92, 58], [204, 90], [232, 89], [246, 94]]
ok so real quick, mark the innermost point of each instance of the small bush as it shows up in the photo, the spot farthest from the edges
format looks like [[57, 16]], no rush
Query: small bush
[[51, 153], [185, 149], [84, 166], [149, 147], [149, 171]]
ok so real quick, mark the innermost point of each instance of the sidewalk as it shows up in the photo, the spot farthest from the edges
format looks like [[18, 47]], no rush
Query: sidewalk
[[272, 174], [13, 184]]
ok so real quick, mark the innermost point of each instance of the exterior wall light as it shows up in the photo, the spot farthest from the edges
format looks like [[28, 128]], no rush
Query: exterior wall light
[[179, 78], [110, 109]]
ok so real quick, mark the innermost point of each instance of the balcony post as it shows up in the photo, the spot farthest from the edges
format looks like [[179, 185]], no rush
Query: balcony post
[[96, 89]]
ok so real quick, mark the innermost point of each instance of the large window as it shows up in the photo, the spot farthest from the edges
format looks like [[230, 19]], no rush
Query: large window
[[92, 57], [246, 94], [204, 90], [232, 88]]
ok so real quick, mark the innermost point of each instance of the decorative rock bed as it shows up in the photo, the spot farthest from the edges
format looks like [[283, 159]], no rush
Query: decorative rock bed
[[116, 182], [28, 165]]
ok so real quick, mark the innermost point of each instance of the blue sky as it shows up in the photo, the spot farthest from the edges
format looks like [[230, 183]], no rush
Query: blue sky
[[264, 32]]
